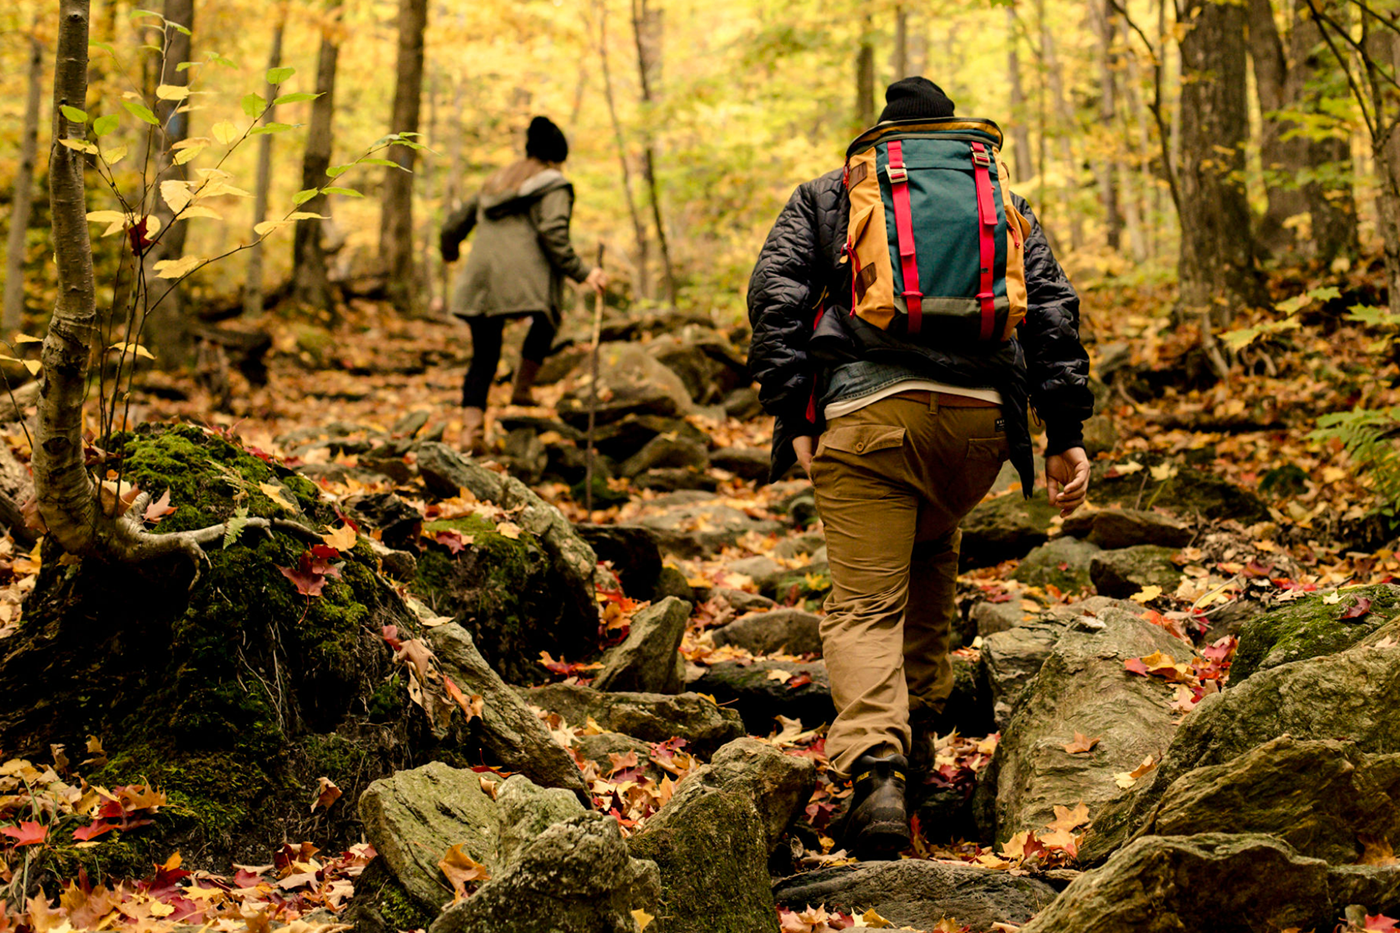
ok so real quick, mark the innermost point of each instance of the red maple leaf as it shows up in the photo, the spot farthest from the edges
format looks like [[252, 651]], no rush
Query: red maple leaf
[[1381, 923], [93, 830], [309, 576], [28, 833], [136, 234], [1136, 666], [1358, 609]]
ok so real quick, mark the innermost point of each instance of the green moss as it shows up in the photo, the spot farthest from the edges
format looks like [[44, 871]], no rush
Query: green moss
[[1310, 628], [399, 910]]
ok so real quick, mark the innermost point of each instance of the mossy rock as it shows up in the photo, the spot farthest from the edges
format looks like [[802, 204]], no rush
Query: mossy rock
[[1311, 627], [1123, 572], [505, 592], [1062, 563], [1189, 492], [1004, 528], [231, 692]]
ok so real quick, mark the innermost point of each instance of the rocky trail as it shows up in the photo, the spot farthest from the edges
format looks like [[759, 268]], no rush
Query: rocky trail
[[493, 711]]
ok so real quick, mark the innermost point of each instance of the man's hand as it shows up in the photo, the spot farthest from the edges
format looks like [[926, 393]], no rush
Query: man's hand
[[802, 446], [597, 280], [1067, 478]]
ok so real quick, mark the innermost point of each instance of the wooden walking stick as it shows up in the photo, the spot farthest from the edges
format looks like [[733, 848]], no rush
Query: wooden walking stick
[[593, 394]]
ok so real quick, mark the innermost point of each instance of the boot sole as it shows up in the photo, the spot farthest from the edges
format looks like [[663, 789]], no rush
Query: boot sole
[[881, 842]]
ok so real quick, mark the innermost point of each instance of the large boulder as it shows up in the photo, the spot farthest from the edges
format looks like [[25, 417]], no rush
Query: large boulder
[[1124, 572], [1312, 626], [1004, 528], [507, 726], [704, 528], [706, 363], [790, 631], [920, 894], [1320, 796], [1119, 528], [651, 717], [1062, 563], [666, 451], [525, 810], [763, 690], [519, 593], [630, 382], [631, 550], [1246, 883], [1351, 695], [738, 806], [1189, 492], [414, 817], [1083, 687], [574, 877], [649, 660], [1010, 659]]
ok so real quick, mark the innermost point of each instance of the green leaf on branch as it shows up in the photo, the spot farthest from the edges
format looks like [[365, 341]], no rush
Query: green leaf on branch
[[1299, 302], [253, 105], [387, 163], [1239, 339], [297, 98], [301, 197], [218, 59], [225, 132], [74, 114], [335, 171], [347, 192], [141, 112], [276, 76], [79, 145], [270, 128], [105, 124]]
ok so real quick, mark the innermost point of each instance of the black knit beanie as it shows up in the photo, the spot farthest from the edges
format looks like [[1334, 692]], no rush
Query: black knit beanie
[[912, 98], [545, 141]]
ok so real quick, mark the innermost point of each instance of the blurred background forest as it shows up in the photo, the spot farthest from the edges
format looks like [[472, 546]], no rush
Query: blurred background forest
[[691, 122]]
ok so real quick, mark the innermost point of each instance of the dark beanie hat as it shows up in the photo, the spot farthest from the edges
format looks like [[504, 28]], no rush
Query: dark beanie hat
[[545, 141], [912, 98]]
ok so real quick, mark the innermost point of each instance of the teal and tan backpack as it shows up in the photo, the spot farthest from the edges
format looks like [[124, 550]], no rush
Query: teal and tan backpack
[[935, 246]]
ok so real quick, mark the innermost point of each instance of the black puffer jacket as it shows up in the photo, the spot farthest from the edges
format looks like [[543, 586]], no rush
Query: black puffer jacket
[[799, 272]]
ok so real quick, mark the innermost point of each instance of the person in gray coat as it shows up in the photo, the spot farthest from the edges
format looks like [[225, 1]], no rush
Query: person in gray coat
[[517, 268]]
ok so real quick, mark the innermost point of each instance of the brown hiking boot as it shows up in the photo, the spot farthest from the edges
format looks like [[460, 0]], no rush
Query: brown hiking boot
[[524, 381], [876, 825], [473, 439]]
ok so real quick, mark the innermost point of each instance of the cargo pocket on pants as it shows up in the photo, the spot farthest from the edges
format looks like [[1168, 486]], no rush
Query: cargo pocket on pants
[[984, 449], [861, 438]]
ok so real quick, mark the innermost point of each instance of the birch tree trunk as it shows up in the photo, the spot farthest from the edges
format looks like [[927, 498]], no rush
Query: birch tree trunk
[[253, 287], [167, 324], [24, 190], [311, 283], [396, 223]]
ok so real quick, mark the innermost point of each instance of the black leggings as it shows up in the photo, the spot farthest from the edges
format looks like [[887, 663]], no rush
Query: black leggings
[[486, 353]]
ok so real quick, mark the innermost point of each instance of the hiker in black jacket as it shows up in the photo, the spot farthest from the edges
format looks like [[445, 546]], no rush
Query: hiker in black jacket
[[902, 437]]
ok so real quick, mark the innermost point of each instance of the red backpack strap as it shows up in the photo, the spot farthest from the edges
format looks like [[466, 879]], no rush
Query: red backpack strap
[[987, 211], [904, 228]]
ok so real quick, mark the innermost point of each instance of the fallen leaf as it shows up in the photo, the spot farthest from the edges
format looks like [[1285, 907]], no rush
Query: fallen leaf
[[159, 508], [470, 706], [1376, 851], [1146, 594], [1067, 819], [461, 870], [276, 494], [508, 530], [873, 920], [643, 919], [28, 833], [778, 674], [1358, 609], [342, 539], [326, 794], [1082, 743]]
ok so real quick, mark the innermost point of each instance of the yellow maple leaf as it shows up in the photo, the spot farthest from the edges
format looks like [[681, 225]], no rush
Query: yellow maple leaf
[[643, 919], [342, 538], [1146, 594], [276, 494], [1067, 819], [508, 530]]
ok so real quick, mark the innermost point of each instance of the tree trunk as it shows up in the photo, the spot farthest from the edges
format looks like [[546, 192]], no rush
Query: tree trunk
[[1381, 59], [647, 30], [167, 325], [253, 287], [396, 224], [865, 79], [24, 190], [1217, 257], [311, 283], [1064, 126], [1107, 163], [639, 227], [1020, 118], [901, 42]]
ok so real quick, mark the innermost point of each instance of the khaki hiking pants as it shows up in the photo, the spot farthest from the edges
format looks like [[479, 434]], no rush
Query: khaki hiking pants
[[893, 480]]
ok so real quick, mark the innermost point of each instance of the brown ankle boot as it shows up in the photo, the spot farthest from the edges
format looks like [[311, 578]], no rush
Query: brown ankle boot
[[876, 826], [473, 441], [524, 380]]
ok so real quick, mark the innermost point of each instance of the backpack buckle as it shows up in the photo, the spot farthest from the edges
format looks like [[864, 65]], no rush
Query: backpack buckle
[[898, 174], [980, 156]]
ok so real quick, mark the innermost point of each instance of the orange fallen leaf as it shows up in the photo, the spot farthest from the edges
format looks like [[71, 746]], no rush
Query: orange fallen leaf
[[1066, 819], [1081, 744], [461, 870]]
